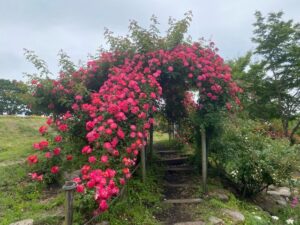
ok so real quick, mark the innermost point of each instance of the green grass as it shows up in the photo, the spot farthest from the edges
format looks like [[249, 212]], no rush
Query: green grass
[[27, 200], [19, 198], [17, 135]]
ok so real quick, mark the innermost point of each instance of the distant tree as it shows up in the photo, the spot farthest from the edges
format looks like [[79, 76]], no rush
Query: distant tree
[[278, 71], [14, 97], [257, 101]]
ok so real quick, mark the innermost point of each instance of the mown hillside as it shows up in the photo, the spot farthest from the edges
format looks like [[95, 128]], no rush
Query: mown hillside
[[20, 199], [17, 135]]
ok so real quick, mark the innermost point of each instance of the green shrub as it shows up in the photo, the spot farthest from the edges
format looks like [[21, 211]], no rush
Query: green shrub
[[251, 160]]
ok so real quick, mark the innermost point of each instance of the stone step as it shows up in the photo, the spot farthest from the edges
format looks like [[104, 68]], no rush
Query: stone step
[[183, 185], [23, 222], [180, 169], [173, 161], [183, 201], [190, 223], [162, 152]]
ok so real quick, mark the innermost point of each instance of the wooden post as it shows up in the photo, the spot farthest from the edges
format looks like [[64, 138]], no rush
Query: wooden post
[[197, 137], [69, 188], [204, 160], [174, 130], [151, 144], [169, 130], [143, 161]]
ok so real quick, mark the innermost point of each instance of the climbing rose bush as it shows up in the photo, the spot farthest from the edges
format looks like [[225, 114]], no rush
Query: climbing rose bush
[[114, 121]]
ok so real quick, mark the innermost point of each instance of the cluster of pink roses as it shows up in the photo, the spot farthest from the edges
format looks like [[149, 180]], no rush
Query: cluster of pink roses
[[119, 113]]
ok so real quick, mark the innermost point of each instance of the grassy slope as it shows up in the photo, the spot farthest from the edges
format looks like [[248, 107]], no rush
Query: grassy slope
[[17, 135], [20, 199]]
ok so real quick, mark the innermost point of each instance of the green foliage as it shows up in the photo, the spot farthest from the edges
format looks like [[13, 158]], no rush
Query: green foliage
[[142, 40], [14, 97], [256, 98], [250, 159], [177, 30], [40, 64], [65, 64], [239, 66], [271, 83], [277, 73]]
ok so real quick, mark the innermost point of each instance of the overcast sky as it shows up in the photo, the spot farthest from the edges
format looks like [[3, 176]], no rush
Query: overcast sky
[[77, 26]]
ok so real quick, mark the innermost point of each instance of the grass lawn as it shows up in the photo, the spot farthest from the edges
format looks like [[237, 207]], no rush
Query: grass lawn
[[20, 199], [17, 135]]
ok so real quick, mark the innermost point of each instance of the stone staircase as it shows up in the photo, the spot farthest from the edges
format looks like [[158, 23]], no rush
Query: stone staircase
[[179, 188]]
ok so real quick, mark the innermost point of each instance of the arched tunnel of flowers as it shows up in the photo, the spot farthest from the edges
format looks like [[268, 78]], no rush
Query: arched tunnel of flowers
[[107, 108]]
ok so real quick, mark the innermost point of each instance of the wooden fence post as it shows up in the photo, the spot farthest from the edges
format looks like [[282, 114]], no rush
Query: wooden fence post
[[143, 161], [151, 144], [69, 188], [204, 160]]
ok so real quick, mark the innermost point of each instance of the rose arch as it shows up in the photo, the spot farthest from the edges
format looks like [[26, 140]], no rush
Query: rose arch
[[116, 119]]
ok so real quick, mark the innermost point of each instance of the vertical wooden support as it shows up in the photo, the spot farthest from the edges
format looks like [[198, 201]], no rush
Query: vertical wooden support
[[143, 161], [169, 130], [204, 160], [197, 137], [69, 188], [174, 130], [151, 144]]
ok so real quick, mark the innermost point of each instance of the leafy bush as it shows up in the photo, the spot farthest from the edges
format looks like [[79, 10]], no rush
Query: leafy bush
[[251, 160]]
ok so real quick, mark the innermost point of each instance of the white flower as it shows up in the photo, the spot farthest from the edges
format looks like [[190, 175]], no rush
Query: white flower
[[234, 173], [290, 221], [275, 218]]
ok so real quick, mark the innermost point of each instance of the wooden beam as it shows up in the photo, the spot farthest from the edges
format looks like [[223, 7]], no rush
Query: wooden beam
[[204, 160], [143, 161], [183, 201]]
